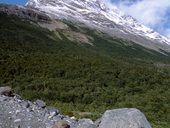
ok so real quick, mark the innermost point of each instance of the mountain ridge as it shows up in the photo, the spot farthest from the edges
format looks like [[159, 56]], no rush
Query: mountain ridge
[[96, 14]]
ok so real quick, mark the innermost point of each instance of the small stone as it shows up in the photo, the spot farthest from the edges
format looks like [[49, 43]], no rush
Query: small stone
[[97, 122], [52, 111], [86, 123], [73, 118], [6, 91], [17, 120], [18, 111], [61, 124], [51, 115], [3, 98], [25, 104], [40, 103]]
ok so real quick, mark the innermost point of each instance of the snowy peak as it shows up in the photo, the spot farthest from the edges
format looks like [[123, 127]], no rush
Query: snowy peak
[[81, 4], [96, 13]]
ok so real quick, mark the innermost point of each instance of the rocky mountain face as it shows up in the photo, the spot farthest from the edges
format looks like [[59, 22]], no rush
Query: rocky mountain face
[[16, 112], [96, 14], [25, 13]]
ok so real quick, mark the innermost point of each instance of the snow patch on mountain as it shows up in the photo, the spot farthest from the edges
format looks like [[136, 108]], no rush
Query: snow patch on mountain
[[97, 13]]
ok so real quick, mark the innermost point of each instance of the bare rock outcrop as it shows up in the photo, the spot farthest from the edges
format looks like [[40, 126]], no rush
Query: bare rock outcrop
[[124, 118], [16, 112]]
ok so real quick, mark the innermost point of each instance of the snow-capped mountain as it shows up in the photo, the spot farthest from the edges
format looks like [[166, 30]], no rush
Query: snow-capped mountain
[[96, 13]]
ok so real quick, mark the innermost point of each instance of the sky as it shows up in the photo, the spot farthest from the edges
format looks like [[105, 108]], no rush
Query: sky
[[152, 13], [20, 2]]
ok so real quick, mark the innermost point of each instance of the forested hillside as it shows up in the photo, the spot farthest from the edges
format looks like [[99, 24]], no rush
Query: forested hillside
[[77, 77]]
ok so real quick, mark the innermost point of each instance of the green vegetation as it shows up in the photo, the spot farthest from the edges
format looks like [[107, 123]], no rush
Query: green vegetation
[[82, 78]]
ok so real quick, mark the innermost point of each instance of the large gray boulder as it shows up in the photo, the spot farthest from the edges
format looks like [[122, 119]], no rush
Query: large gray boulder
[[124, 118]]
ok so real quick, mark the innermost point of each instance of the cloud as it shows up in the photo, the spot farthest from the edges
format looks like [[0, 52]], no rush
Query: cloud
[[152, 13]]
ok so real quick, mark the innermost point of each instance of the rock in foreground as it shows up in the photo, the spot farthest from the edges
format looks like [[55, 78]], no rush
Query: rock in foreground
[[124, 118], [18, 113]]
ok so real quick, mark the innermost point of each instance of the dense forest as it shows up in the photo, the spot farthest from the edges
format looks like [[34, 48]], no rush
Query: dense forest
[[79, 78]]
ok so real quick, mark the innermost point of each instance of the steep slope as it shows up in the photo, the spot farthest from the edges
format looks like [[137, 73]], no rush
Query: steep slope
[[97, 14], [72, 35], [77, 76]]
